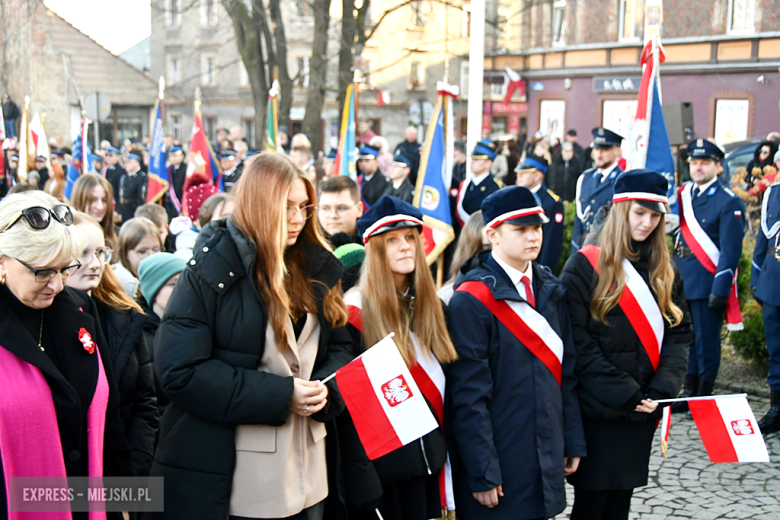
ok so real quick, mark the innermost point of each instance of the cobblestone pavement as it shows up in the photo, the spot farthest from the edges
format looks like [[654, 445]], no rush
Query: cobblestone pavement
[[687, 486]]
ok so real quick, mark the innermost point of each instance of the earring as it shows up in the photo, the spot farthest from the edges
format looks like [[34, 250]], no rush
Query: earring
[[2, 279]]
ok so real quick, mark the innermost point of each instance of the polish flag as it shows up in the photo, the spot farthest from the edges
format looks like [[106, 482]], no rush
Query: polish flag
[[729, 429], [386, 405]]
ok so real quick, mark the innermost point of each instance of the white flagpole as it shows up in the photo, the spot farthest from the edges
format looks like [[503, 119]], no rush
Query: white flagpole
[[476, 73], [681, 399]]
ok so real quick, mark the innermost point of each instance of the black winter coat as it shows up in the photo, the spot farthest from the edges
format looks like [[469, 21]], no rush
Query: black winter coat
[[151, 325], [564, 176], [133, 372], [614, 374], [207, 352]]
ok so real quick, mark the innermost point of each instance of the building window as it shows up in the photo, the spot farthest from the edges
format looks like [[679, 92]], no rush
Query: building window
[[559, 22], [208, 13], [465, 21], [416, 75], [464, 79], [302, 76], [418, 18], [631, 16], [249, 131], [303, 9], [741, 16], [173, 13], [243, 76], [174, 71], [208, 70], [176, 127], [210, 127]]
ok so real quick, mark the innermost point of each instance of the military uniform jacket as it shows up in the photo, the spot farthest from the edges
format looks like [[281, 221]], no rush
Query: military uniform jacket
[[766, 266], [371, 190], [132, 193], [720, 213], [230, 178], [470, 195], [592, 194], [114, 176], [178, 174], [405, 191], [552, 232], [512, 425]]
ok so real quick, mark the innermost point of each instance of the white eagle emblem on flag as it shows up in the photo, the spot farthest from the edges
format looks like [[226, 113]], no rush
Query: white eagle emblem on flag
[[742, 427], [396, 391]]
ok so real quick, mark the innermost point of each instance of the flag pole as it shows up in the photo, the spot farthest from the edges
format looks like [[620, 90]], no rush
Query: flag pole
[[356, 89], [704, 398], [445, 104]]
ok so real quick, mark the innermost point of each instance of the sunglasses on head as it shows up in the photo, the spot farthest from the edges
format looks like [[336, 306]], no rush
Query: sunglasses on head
[[39, 217]]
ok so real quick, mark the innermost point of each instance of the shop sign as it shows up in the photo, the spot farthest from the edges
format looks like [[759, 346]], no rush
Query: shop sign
[[510, 108], [617, 84]]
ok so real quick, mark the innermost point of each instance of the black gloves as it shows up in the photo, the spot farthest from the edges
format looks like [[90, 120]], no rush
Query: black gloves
[[717, 301]]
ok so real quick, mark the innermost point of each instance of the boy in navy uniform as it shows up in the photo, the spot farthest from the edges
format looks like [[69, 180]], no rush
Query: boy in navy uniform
[[516, 425], [708, 247], [766, 291], [595, 186], [530, 173], [372, 181], [402, 187], [474, 190], [132, 188]]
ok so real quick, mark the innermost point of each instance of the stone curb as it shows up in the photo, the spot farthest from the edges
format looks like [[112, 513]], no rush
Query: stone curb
[[743, 388]]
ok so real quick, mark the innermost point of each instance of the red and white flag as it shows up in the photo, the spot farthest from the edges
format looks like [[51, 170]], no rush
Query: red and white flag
[[729, 429], [666, 425], [386, 405]]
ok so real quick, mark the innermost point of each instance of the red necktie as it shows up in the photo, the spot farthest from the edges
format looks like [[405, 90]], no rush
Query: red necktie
[[529, 292]]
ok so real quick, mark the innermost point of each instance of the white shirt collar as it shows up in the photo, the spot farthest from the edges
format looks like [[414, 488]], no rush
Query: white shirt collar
[[134, 172], [368, 177], [705, 187], [605, 173], [515, 275], [476, 181], [537, 188]]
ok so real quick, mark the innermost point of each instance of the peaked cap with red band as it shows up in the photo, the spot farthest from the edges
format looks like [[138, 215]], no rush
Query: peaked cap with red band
[[516, 205], [387, 214], [645, 187]]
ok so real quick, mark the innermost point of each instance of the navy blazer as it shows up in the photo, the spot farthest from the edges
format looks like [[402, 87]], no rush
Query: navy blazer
[[512, 425], [766, 267], [722, 216], [592, 194], [552, 232]]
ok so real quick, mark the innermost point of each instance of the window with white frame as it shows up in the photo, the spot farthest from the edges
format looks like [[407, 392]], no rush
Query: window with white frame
[[464, 79], [208, 13], [243, 76], [418, 17], [210, 127], [559, 22], [176, 127], [172, 13], [302, 75], [741, 16], [416, 75], [465, 21], [631, 17], [174, 70], [249, 130], [208, 70]]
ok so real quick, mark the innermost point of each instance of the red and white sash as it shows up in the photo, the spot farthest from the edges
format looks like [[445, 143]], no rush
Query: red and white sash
[[706, 252], [639, 306], [459, 211], [528, 326], [429, 377]]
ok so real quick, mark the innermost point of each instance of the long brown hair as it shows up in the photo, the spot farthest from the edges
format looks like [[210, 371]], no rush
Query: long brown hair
[[131, 234], [82, 197], [109, 291], [469, 242], [382, 312], [615, 244], [260, 213]]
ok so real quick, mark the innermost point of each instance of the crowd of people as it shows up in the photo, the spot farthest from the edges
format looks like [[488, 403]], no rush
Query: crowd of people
[[190, 338]]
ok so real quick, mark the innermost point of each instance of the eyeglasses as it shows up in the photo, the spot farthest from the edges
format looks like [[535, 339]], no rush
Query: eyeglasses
[[306, 211], [339, 210], [39, 217], [102, 253], [44, 275], [143, 253]]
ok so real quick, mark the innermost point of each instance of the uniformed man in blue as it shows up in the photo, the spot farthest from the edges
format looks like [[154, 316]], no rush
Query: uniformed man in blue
[[372, 181], [228, 160], [717, 226], [402, 187], [594, 186], [481, 184], [765, 284], [132, 188], [177, 173], [114, 169], [530, 173], [516, 425]]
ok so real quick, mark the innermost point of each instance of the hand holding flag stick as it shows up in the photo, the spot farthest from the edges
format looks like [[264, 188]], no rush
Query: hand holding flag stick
[[391, 335]]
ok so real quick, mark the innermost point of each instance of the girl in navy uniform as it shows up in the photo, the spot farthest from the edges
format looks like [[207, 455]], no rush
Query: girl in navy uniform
[[515, 419], [625, 360], [766, 290], [396, 294]]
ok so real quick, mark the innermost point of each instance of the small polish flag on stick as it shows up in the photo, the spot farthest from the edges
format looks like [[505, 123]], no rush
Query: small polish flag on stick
[[387, 407], [666, 424]]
